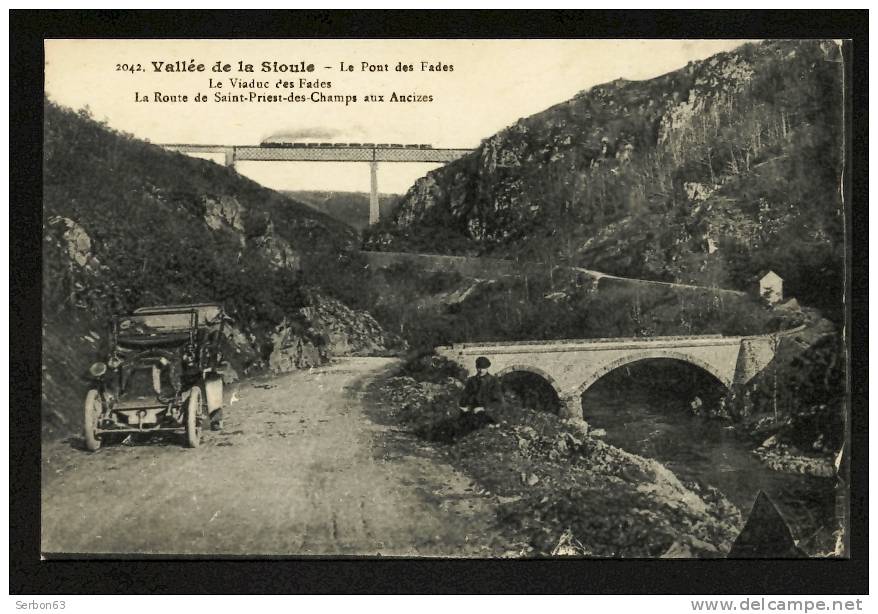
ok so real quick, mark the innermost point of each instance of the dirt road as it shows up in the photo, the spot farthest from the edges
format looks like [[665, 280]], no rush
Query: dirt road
[[298, 470]]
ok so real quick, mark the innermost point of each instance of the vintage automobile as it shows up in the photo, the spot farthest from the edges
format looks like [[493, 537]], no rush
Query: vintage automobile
[[163, 373]]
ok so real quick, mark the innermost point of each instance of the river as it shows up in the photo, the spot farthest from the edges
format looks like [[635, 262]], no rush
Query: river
[[643, 413]]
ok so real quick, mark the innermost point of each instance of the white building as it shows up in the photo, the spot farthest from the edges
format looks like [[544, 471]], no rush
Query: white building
[[771, 287]]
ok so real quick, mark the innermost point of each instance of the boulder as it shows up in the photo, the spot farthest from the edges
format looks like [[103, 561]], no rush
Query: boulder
[[678, 550], [527, 432], [770, 442], [224, 212], [530, 479], [579, 425], [76, 242], [292, 350]]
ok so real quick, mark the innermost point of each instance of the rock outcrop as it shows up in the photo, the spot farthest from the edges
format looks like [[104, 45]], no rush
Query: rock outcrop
[[348, 332], [324, 329], [73, 240], [224, 212], [278, 251]]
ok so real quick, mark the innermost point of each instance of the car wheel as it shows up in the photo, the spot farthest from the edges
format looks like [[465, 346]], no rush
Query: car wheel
[[193, 418], [91, 413]]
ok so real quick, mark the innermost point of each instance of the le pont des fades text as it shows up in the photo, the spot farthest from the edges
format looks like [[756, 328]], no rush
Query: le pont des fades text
[[273, 66]]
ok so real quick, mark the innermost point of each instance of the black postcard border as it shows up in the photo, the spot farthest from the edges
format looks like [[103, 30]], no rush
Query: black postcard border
[[30, 575]]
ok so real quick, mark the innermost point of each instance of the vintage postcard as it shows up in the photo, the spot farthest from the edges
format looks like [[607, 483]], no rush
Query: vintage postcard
[[445, 298]]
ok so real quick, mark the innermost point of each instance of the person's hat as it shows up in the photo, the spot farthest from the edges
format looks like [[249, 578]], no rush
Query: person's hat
[[482, 363]]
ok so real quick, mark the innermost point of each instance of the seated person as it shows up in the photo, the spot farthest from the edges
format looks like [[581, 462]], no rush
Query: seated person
[[482, 391]]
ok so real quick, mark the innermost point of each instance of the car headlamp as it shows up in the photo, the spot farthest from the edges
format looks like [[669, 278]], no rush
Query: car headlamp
[[98, 369]]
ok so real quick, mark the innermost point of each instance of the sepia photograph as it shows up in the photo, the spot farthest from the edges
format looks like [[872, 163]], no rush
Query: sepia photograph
[[445, 298]]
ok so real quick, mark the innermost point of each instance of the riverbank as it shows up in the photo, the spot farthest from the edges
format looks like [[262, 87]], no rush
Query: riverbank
[[642, 417], [773, 451], [560, 490], [783, 458]]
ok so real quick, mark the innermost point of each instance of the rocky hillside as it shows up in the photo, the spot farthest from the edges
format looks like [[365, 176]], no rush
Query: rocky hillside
[[710, 175], [127, 224]]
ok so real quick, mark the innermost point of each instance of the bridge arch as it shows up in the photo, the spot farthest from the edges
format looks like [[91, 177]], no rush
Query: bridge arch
[[535, 371], [638, 356]]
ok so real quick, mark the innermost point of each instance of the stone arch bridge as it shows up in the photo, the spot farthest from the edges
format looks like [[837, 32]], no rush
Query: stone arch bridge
[[572, 365]]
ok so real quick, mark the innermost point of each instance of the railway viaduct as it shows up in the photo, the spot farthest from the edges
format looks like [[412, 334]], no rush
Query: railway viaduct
[[327, 152], [572, 365]]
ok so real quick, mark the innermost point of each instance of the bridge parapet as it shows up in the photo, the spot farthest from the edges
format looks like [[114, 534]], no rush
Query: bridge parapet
[[587, 340], [596, 345]]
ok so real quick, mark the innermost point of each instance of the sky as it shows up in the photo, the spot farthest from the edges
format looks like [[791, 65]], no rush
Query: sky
[[493, 83]]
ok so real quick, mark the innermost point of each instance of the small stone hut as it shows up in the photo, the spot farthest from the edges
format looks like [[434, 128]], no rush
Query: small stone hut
[[771, 287]]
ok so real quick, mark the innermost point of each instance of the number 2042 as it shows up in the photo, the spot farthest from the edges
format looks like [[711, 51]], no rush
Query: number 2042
[[129, 67]]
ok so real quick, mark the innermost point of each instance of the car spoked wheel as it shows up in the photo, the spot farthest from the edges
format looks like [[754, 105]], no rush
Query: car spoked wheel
[[91, 413], [193, 418]]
